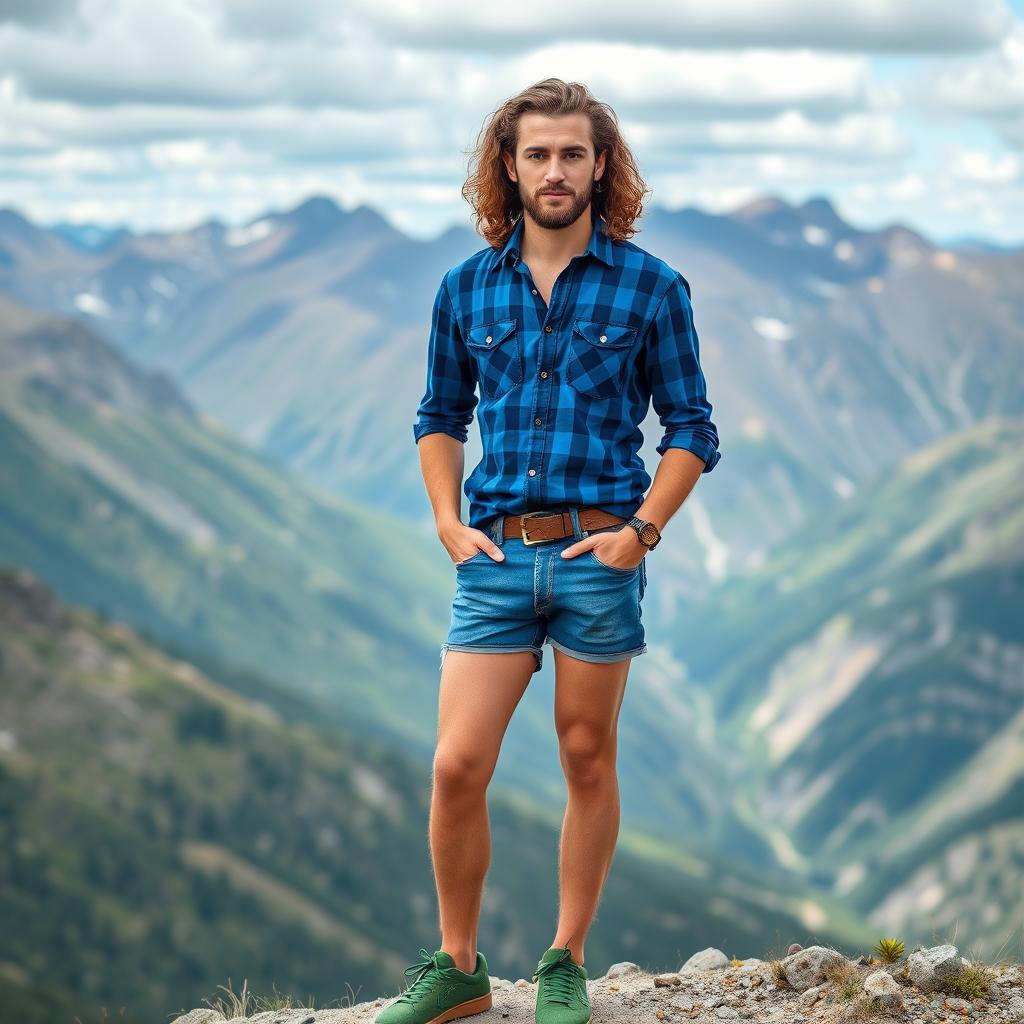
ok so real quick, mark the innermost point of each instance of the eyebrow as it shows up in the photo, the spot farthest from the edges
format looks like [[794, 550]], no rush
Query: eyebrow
[[565, 149]]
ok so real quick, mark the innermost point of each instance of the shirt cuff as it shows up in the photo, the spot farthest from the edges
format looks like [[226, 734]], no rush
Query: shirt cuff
[[431, 426], [700, 447]]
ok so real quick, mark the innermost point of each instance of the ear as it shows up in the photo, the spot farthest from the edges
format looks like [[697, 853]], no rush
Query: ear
[[599, 165], [510, 164]]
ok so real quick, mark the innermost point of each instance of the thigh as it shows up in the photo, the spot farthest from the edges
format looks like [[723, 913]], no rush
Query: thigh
[[588, 697], [478, 694]]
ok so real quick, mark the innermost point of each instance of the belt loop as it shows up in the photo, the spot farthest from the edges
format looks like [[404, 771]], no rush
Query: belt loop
[[578, 533]]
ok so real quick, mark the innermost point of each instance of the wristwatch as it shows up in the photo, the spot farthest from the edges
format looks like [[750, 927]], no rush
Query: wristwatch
[[649, 534]]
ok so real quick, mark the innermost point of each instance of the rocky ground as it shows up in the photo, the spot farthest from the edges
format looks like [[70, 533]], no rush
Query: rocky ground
[[817, 984]]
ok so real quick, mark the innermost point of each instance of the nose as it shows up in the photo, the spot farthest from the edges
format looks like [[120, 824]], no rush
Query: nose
[[554, 174]]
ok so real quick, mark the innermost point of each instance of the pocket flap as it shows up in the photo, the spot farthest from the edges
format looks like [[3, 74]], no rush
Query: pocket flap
[[606, 335], [490, 335]]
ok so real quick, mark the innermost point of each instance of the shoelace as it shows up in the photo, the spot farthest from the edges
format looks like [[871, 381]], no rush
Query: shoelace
[[562, 978], [423, 969]]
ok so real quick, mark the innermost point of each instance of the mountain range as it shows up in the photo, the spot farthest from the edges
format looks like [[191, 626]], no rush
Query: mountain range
[[824, 735]]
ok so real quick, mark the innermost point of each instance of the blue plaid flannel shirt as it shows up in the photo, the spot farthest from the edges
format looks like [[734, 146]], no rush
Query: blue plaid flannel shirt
[[564, 388]]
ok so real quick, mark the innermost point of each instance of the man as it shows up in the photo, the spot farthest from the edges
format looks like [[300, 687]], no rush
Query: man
[[568, 331]]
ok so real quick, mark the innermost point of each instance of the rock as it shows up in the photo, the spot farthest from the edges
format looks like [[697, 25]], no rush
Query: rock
[[929, 968], [621, 969], [794, 948], [811, 996], [299, 1015], [884, 989], [667, 980], [1015, 1008], [706, 960], [960, 1005], [200, 1016], [806, 967], [725, 1013], [682, 1002]]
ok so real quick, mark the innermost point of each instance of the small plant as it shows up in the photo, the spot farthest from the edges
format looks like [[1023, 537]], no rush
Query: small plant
[[779, 975], [889, 950], [237, 1004], [970, 982], [866, 1008], [736, 962], [845, 977], [278, 1001]]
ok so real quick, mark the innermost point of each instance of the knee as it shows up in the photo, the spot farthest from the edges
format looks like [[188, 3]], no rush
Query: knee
[[587, 756], [457, 770]]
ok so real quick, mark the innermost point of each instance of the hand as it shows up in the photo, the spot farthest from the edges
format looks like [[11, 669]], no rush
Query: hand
[[620, 548], [463, 542]]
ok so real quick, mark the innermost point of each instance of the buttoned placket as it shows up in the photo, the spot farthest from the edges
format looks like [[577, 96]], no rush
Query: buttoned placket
[[533, 488]]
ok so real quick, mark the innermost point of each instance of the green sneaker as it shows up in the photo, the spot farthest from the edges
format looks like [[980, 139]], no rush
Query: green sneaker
[[562, 989], [440, 992]]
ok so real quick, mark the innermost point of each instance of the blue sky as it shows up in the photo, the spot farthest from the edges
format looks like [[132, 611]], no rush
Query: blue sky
[[161, 116]]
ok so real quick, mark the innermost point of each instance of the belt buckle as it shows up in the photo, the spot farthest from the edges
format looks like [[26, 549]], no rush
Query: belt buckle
[[522, 527]]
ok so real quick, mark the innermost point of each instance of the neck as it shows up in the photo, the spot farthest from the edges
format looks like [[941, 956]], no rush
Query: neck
[[555, 246]]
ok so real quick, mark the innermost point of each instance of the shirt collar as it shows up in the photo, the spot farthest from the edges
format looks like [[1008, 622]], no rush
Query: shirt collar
[[600, 245]]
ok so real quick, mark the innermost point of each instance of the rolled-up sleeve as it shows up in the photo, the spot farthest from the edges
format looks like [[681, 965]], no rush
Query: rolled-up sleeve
[[678, 388], [450, 398]]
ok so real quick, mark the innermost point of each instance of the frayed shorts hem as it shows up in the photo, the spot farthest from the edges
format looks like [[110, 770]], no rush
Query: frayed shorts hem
[[493, 649], [596, 658]]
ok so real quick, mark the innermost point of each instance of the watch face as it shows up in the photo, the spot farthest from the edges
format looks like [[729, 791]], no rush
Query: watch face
[[649, 533]]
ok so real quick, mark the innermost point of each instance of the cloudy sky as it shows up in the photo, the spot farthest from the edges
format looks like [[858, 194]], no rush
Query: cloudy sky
[[163, 115]]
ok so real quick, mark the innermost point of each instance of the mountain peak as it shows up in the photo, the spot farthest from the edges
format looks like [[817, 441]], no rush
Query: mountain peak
[[762, 206], [819, 210], [321, 209]]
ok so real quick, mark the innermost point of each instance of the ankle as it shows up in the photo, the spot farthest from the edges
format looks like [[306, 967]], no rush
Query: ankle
[[465, 959], [576, 958]]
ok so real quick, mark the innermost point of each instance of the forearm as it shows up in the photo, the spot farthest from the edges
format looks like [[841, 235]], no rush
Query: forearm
[[677, 472], [442, 463]]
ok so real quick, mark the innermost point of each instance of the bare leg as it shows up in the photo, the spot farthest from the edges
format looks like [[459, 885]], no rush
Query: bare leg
[[478, 694], [588, 697]]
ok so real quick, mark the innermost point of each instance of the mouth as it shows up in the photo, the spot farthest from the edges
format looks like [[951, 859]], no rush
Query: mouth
[[554, 195]]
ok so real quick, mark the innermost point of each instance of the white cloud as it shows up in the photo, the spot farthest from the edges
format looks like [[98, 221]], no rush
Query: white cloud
[[911, 26], [855, 136], [152, 112], [991, 84], [688, 83], [982, 168]]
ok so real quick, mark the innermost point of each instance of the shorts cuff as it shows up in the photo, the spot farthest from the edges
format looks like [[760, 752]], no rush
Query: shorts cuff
[[597, 658], [494, 649]]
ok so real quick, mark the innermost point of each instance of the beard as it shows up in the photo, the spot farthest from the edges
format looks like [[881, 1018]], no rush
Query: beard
[[556, 215]]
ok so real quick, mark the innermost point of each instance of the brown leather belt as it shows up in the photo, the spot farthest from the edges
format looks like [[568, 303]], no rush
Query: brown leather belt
[[537, 527]]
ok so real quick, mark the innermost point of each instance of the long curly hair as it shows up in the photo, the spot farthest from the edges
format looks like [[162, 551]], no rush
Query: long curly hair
[[618, 197]]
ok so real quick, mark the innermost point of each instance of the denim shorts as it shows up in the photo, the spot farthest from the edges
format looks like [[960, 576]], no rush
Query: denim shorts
[[580, 605]]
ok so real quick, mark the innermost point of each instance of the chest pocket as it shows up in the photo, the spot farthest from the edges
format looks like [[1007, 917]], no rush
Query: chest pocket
[[499, 359], [598, 356]]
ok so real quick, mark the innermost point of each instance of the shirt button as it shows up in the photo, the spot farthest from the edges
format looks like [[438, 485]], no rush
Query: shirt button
[[488, 339], [543, 373], [533, 472], [548, 329], [604, 337], [536, 422], [534, 290]]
